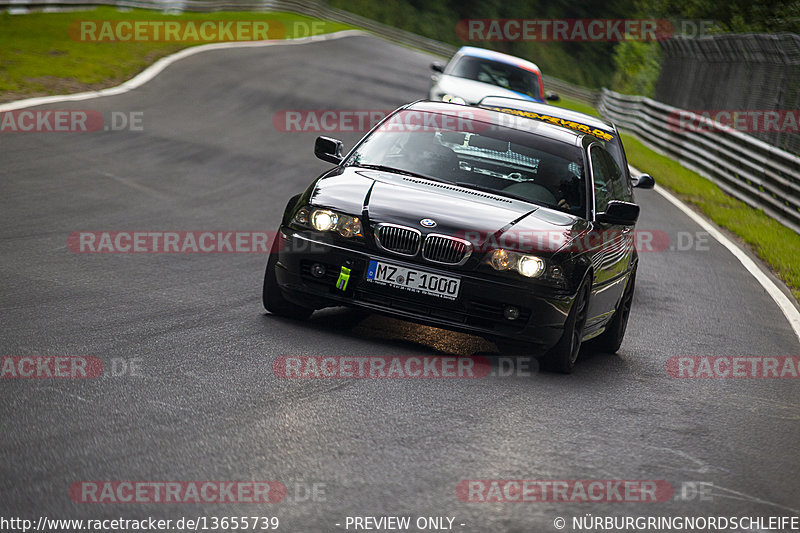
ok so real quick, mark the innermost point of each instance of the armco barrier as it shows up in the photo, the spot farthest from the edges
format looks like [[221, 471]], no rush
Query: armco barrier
[[749, 169]]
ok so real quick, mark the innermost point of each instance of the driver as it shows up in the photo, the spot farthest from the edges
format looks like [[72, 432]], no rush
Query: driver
[[569, 193], [559, 177]]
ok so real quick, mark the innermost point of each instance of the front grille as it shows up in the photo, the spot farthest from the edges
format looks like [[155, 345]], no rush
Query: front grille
[[398, 239], [447, 250]]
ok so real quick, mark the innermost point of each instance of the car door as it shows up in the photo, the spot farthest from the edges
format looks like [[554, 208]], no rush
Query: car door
[[611, 258]]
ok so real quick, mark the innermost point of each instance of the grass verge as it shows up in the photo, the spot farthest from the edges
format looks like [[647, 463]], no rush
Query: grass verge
[[43, 54], [774, 243]]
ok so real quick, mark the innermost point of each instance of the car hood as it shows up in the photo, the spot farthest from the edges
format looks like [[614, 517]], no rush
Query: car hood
[[473, 91], [487, 220]]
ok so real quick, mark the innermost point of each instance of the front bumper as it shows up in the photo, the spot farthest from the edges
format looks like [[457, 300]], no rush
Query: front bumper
[[478, 310]]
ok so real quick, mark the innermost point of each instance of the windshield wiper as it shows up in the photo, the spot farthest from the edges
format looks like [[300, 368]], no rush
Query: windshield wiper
[[500, 192], [385, 168]]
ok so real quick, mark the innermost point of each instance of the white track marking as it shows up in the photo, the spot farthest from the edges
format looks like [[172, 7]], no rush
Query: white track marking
[[786, 306]]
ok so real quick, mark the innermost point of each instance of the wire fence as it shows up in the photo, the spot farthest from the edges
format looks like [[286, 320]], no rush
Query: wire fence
[[748, 75]]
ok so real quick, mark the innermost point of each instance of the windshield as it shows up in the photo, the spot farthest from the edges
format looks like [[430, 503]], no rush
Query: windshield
[[501, 74], [479, 155]]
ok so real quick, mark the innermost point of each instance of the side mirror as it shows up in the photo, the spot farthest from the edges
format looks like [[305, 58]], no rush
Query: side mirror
[[551, 96], [644, 181], [329, 150], [619, 213], [437, 67]]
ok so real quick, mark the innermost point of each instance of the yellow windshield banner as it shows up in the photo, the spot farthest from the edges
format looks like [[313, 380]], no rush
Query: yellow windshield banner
[[577, 126]]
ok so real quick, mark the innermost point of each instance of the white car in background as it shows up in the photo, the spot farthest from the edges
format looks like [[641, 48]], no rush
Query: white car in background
[[475, 73]]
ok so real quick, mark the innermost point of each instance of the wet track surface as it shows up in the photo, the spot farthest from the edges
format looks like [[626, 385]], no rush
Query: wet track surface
[[206, 405]]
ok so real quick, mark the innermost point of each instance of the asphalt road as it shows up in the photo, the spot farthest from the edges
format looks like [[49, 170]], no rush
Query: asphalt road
[[205, 404]]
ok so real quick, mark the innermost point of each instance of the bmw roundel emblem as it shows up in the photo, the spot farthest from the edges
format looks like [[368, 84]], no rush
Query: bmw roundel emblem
[[428, 223]]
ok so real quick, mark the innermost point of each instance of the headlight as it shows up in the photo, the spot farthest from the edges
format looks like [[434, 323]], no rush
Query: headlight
[[323, 220], [500, 260], [527, 265], [453, 99], [530, 266], [327, 220], [349, 226], [302, 216]]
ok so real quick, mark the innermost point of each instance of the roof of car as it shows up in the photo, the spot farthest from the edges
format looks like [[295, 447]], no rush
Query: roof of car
[[496, 118], [497, 56], [549, 110]]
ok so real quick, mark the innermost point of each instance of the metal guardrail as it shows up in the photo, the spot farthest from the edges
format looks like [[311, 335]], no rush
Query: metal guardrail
[[761, 175]]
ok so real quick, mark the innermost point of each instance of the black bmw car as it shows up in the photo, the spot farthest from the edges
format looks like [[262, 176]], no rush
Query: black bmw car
[[471, 219]]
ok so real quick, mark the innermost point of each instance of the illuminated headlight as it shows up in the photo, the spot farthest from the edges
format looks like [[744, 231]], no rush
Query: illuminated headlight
[[327, 220], [453, 99], [323, 220], [529, 266]]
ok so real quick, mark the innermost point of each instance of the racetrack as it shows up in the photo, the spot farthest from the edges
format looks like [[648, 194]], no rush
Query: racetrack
[[207, 406]]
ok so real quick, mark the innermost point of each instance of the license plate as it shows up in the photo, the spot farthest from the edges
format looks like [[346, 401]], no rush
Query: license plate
[[413, 280]]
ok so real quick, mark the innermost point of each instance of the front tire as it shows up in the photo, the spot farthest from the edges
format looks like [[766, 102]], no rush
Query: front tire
[[562, 356], [272, 297]]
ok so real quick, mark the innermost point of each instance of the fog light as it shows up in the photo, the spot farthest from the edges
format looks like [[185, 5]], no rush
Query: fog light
[[511, 312], [318, 270]]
